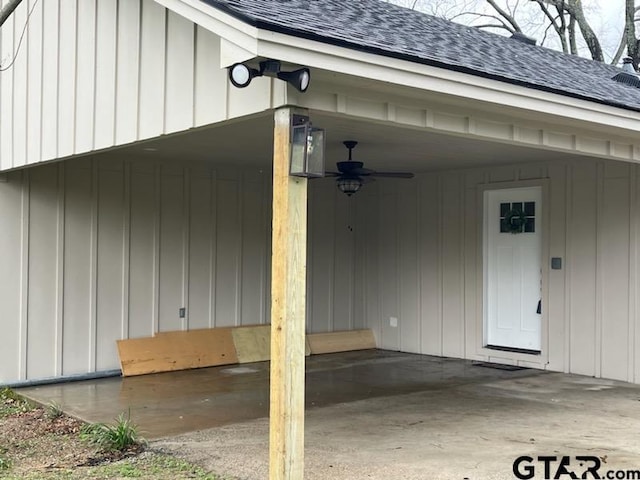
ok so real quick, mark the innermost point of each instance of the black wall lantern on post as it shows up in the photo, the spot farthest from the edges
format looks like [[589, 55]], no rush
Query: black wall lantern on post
[[241, 75], [307, 148]]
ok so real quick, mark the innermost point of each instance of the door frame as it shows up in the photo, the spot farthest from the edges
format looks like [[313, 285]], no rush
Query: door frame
[[537, 360]]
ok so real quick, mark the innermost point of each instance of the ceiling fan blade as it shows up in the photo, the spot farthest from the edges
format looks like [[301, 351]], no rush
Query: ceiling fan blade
[[332, 174], [362, 171], [392, 174]]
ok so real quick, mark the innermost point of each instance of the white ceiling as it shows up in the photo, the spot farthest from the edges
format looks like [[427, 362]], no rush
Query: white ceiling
[[248, 142]]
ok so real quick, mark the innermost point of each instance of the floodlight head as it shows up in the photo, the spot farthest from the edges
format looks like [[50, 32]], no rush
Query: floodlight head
[[299, 79], [240, 75]]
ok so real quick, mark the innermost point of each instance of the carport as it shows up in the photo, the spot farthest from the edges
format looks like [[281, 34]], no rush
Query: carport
[[168, 205]]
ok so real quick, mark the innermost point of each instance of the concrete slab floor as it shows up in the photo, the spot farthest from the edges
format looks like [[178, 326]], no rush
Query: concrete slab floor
[[379, 415]]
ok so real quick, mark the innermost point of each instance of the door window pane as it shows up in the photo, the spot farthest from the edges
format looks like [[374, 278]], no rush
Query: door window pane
[[511, 220], [530, 209]]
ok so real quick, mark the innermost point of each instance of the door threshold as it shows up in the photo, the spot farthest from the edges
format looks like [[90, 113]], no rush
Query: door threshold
[[513, 349]]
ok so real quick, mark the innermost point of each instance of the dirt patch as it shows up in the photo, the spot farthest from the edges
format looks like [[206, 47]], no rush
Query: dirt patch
[[42, 443], [32, 442]]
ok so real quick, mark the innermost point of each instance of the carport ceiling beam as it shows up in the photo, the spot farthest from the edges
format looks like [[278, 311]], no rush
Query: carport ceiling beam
[[288, 291]]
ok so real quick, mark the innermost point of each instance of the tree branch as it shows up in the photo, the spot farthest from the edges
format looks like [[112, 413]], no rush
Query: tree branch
[[620, 49], [491, 25], [630, 39], [574, 9], [572, 36], [503, 24], [8, 10], [553, 22], [506, 15]]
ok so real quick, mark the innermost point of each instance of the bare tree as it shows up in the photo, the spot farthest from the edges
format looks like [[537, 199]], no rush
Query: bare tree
[[630, 38], [570, 14], [8, 10], [561, 23]]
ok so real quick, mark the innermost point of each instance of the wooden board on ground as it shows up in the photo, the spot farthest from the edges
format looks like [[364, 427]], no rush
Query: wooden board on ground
[[346, 341], [177, 351], [253, 343]]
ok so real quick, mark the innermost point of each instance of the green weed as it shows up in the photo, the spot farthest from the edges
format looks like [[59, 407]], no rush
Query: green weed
[[117, 437], [54, 410]]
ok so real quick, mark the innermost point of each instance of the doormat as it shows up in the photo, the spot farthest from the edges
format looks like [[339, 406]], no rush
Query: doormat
[[499, 366]]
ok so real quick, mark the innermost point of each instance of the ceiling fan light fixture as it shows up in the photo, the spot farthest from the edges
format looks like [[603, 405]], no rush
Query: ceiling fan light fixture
[[351, 174], [349, 186]]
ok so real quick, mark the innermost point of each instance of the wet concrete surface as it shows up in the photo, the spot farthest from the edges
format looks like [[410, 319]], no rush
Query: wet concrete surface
[[463, 423], [378, 415], [170, 403]]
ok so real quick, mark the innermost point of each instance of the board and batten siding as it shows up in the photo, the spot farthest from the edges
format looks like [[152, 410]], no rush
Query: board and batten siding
[[423, 248], [95, 250], [92, 74]]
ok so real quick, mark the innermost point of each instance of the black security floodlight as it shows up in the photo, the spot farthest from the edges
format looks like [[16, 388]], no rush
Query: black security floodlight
[[298, 79], [241, 75]]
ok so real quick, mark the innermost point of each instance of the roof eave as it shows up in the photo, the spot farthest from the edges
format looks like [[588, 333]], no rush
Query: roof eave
[[434, 63], [437, 78], [244, 38]]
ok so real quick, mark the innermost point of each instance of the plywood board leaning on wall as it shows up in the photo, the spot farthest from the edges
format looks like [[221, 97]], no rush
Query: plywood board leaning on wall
[[177, 351], [346, 341], [210, 347], [253, 344]]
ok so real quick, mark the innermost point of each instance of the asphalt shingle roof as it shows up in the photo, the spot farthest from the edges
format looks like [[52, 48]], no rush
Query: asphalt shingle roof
[[389, 30]]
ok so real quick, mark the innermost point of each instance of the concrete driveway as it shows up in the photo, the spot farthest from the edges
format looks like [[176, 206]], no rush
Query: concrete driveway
[[385, 415]]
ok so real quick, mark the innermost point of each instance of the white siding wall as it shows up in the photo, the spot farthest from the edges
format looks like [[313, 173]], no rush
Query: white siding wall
[[95, 251], [92, 74], [336, 260], [422, 247]]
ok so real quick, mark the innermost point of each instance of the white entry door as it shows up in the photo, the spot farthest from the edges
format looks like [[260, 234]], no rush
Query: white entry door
[[513, 268]]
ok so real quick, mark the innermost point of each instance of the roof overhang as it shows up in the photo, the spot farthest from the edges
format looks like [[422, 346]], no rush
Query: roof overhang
[[242, 42]]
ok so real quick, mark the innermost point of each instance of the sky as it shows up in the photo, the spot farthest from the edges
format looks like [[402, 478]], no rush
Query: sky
[[610, 22]]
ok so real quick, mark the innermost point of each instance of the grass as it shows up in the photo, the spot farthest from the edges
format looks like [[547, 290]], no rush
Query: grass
[[120, 436], [12, 404], [149, 466], [157, 466], [54, 410]]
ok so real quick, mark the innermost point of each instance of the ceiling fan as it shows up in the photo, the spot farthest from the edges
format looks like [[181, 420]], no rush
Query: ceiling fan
[[352, 175]]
